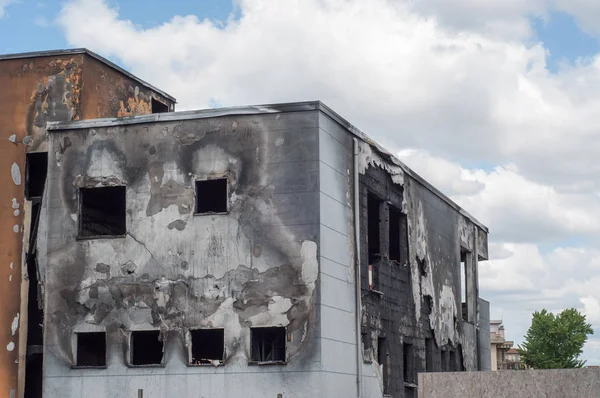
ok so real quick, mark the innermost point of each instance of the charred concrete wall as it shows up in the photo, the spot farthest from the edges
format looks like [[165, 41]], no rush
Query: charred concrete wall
[[412, 316], [40, 88], [254, 265]]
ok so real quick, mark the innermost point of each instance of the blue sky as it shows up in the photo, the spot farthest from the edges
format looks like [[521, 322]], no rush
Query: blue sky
[[28, 25]]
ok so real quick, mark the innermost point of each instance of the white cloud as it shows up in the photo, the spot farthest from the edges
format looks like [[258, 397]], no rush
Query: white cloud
[[529, 280], [586, 13], [514, 208], [467, 94]]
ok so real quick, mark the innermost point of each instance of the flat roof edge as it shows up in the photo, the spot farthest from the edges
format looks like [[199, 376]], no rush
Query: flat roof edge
[[76, 51], [184, 115], [263, 109], [407, 170]]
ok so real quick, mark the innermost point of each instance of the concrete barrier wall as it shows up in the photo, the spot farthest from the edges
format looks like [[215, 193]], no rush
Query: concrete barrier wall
[[562, 383]]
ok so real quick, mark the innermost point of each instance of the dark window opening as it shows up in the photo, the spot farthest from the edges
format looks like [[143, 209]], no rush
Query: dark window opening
[[211, 196], [422, 267], [453, 364], [464, 256], [102, 212], [208, 345], [159, 107], [428, 305], [91, 349], [444, 361], [268, 344], [36, 168], [33, 381], [382, 361], [429, 352], [373, 231], [147, 348], [35, 313], [461, 363], [407, 354], [394, 234]]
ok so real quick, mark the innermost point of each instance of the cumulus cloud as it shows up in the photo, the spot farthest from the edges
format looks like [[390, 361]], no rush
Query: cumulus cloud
[[515, 208], [462, 93], [461, 82]]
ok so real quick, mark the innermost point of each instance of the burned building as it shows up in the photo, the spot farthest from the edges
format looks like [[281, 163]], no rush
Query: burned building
[[38, 88], [264, 251]]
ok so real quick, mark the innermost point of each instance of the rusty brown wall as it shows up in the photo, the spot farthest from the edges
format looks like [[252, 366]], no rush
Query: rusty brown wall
[[109, 93], [34, 90]]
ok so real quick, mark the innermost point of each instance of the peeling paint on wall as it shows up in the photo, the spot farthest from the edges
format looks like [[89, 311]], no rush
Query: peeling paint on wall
[[15, 173], [15, 324]]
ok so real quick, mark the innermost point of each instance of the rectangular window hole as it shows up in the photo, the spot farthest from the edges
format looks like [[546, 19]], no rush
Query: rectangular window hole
[[452, 360], [159, 107], [102, 212], [429, 352], [373, 231], [208, 346], [36, 168], [147, 349], [268, 345], [464, 256], [407, 353], [394, 234], [91, 350], [444, 361], [211, 196]]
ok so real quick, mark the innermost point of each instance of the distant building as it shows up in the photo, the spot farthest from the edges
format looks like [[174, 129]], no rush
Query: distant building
[[504, 356]]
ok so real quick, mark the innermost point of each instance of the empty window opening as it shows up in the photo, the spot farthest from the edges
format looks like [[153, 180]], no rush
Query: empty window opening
[[373, 204], [211, 196], [36, 168], [444, 361], [422, 266], [382, 361], [91, 349], [102, 212], [147, 348], [453, 364], [461, 359], [464, 256], [208, 346], [34, 380], [429, 351], [394, 234], [268, 344], [407, 354], [159, 107]]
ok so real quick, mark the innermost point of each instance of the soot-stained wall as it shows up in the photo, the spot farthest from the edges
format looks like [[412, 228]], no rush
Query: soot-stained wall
[[411, 307], [254, 266]]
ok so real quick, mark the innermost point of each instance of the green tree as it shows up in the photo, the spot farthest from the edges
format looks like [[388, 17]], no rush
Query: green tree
[[555, 341]]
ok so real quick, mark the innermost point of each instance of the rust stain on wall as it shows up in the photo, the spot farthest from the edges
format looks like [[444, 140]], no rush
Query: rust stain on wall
[[134, 106]]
